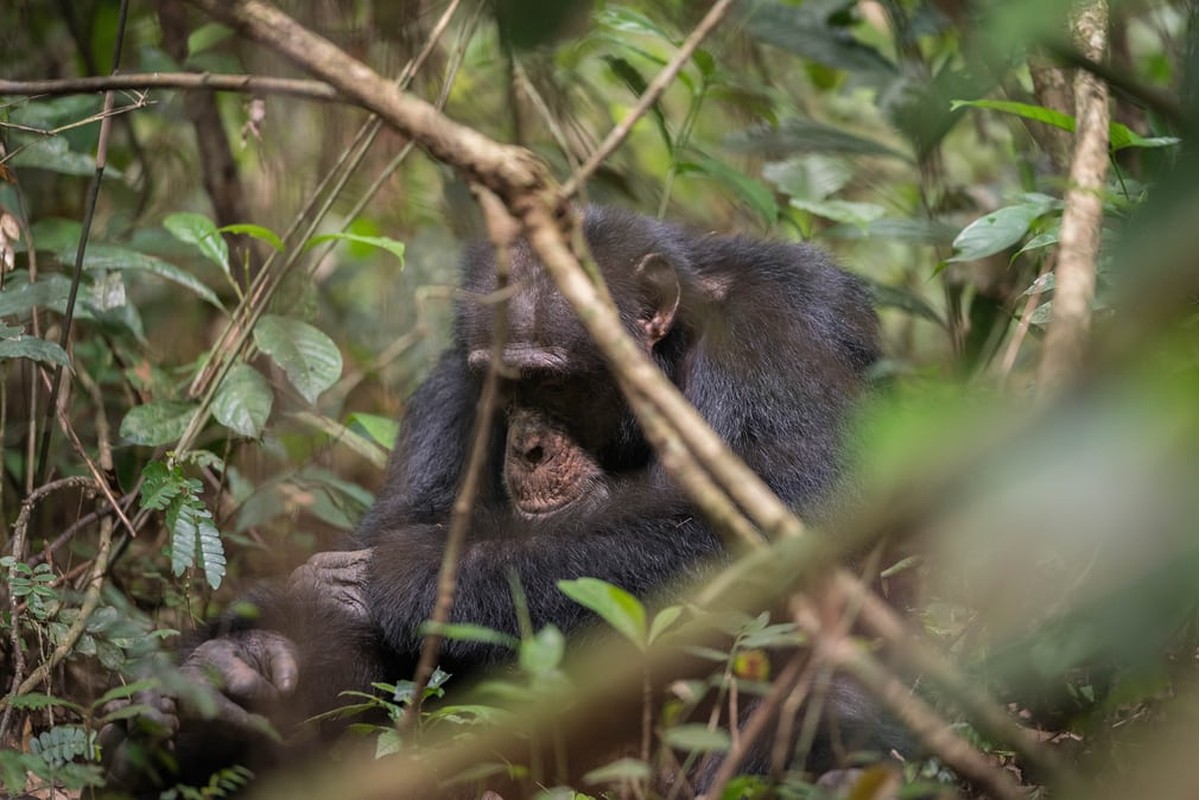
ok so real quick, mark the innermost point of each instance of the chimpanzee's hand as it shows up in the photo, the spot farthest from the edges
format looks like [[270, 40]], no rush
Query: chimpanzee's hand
[[337, 580], [248, 671]]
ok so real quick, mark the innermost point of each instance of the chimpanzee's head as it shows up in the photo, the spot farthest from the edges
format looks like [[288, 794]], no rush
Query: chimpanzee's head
[[569, 432]]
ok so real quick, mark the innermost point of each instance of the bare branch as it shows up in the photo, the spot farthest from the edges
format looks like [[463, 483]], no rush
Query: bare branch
[[503, 232], [197, 81], [1066, 339]]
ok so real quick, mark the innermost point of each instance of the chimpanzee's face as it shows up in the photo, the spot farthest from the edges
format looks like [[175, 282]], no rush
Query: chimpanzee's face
[[569, 430]]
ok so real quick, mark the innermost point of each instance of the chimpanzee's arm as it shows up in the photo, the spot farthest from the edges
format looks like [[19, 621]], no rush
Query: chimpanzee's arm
[[640, 553]]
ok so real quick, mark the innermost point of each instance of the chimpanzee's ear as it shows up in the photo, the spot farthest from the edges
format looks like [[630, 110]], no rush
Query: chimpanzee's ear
[[660, 284]]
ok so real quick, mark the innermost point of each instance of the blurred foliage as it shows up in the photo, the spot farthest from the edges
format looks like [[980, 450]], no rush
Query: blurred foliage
[[1061, 565]]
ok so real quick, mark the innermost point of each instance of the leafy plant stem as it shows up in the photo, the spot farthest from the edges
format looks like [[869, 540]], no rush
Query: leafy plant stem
[[20, 530]]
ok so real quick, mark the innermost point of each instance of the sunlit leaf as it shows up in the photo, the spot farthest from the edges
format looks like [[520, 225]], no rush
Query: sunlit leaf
[[382, 430], [200, 231], [255, 231], [614, 605], [382, 242]]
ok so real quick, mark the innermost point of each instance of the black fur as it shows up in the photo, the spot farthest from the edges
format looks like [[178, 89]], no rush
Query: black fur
[[770, 343]]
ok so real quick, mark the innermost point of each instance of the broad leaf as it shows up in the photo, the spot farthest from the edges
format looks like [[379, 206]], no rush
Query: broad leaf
[[1120, 135], [382, 242], [199, 230], [107, 257], [751, 190], [34, 349], [309, 357], [160, 422], [18, 299], [805, 30], [697, 739], [255, 231], [382, 430], [616, 606], [846, 212], [999, 230], [543, 653], [243, 401], [620, 771], [799, 135], [54, 154], [468, 632]]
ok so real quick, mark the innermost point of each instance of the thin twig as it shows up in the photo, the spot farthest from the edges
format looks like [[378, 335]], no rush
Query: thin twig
[[882, 621], [756, 726], [926, 724], [503, 232]]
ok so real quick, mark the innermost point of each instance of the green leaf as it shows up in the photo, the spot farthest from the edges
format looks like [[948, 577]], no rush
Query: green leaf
[[343, 435], [309, 357], [34, 349], [627, 74], [19, 299], [200, 231], [806, 31], [382, 242], [1049, 116], [752, 191], [614, 605], [1120, 135], [388, 743], [620, 771], [160, 485], [54, 154], [206, 36], [125, 691], [999, 230], [107, 257], [844, 211], [65, 743], [662, 621], [382, 430], [36, 701], [243, 401], [543, 653], [800, 135], [195, 540], [697, 739], [467, 632], [925, 231], [255, 231], [160, 422]]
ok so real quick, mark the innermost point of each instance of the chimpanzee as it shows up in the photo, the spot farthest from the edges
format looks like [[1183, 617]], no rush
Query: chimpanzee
[[768, 340]]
